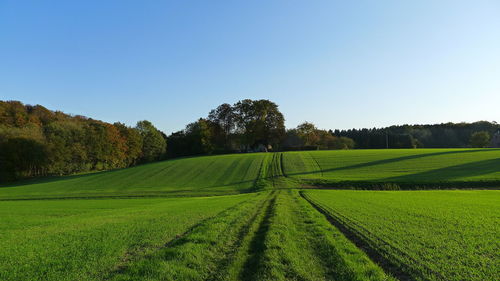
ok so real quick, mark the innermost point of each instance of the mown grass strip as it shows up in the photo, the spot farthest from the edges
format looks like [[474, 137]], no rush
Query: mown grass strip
[[302, 245]]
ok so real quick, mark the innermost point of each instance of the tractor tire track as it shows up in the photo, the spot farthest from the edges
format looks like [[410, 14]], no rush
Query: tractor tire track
[[376, 254], [143, 253], [243, 250], [257, 246]]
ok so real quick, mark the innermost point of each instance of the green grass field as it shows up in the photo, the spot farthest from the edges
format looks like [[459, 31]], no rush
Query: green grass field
[[239, 237], [430, 235], [155, 221], [405, 166], [197, 176], [87, 239], [239, 173]]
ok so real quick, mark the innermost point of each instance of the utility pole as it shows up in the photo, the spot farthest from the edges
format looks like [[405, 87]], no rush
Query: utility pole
[[386, 140]]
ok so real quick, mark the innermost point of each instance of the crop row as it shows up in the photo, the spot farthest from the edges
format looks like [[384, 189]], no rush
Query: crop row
[[427, 235], [277, 237], [409, 168], [85, 239]]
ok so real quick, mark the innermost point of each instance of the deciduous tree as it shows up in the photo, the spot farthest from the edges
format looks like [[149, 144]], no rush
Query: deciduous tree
[[154, 144], [480, 139]]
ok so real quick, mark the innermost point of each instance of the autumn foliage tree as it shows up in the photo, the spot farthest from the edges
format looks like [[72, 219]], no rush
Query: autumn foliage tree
[[35, 141], [308, 136]]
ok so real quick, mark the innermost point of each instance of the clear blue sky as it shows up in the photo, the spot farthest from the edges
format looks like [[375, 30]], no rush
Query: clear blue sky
[[339, 64]]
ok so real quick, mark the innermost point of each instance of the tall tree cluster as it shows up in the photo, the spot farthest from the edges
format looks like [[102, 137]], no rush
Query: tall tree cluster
[[248, 125], [35, 141]]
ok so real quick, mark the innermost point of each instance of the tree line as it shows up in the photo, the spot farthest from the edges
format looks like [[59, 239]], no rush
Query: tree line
[[35, 141], [446, 135], [249, 126]]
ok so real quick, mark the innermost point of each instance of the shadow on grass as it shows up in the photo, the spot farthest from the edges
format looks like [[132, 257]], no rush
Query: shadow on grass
[[257, 245], [91, 174], [473, 169], [96, 175], [429, 174], [395, 267], [393, 160], [451, 177], [55, 178]]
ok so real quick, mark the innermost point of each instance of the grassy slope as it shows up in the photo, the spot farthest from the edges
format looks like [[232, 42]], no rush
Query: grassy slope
[[198, 176], [399, 166], [86, 239], [431, 235], [232, 174]]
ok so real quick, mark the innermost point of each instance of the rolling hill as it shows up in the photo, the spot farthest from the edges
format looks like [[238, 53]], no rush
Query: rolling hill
[[197, 176], [408, 167], [240, 173]]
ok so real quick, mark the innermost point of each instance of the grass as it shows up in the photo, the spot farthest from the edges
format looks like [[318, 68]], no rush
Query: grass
[[429, 235], [240, 173], [86, 239], [204, 253], [300, 244], [275, 236], [407, 167], [167, 230], [197, 176]]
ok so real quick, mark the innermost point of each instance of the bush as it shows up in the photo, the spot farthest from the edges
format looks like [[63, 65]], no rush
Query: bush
[[388, 186]]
